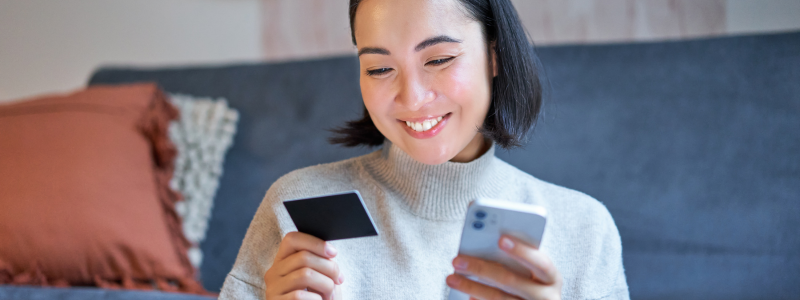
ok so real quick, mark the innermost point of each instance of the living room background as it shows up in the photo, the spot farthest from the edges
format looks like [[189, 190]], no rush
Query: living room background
[[138, 137]]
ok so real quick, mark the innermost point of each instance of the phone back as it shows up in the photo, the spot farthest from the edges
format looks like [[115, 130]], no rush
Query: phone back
[[487, 220]]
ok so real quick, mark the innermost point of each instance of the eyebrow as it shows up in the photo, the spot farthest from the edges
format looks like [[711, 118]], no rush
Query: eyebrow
[[424, 44], [435, 40], [373, 50]]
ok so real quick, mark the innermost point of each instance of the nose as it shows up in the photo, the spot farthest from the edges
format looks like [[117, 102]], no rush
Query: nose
[[414, 92]]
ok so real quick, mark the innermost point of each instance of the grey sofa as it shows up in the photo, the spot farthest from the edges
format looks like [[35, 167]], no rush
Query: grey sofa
[[694, 147]]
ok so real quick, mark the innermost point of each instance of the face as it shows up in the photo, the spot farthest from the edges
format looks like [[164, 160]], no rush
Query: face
[[425, 76]]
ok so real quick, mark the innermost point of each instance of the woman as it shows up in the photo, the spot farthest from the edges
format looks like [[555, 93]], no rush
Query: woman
[[443, 83]]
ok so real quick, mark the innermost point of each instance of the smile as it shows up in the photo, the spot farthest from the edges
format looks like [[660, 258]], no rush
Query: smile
[[424, 125]]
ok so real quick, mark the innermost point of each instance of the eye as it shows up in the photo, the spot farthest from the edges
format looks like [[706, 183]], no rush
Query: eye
[[440, 61], [378, 72]]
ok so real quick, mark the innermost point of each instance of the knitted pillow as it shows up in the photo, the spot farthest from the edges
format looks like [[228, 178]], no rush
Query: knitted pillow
[[202, 135], [85, 192]]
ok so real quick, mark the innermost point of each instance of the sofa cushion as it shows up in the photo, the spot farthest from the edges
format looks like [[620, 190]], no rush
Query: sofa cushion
[[202, 136], [85, 192], [284, 112]]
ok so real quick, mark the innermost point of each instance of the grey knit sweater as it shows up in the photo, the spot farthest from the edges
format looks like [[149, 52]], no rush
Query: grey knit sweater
[[419, 210]]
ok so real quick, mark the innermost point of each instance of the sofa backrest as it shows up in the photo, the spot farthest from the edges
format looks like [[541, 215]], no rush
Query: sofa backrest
[[694, 147]]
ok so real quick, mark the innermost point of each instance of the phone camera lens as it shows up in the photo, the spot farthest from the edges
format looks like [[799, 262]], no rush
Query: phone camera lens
[[477, 225], [480, 214]]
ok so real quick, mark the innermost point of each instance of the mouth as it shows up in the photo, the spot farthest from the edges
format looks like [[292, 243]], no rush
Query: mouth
[[425, 124], [425, 127]]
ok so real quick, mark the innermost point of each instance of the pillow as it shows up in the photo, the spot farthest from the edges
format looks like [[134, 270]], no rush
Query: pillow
[[85, 192], [202, 135]]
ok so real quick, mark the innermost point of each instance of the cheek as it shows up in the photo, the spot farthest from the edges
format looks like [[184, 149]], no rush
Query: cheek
[[457, 83], [377, 102], [368, 94], [467, 88]]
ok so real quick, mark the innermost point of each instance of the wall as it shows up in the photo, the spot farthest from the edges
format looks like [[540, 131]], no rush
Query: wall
[[295, 29], [603, 21], [48, 46], [749, 16], [52, 46]]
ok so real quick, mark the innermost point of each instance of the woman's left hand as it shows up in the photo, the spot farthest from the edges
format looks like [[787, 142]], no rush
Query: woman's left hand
[[544, 281]]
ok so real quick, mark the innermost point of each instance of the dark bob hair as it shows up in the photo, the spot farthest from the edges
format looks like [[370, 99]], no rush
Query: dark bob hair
[[516, 90]]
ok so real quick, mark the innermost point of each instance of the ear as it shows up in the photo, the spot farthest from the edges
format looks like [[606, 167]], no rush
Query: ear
[[493, 56]]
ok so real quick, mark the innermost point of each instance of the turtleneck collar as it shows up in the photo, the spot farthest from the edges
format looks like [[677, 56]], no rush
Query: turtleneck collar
[[435, 192]]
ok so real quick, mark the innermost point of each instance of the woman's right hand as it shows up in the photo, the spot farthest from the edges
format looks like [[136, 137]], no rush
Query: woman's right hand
[[303, 269]]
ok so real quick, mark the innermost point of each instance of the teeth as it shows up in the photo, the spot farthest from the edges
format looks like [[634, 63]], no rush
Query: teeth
[[424, 125]]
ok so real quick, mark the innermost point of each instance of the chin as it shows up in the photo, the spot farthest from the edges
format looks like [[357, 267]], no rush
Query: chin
[[430, 159], [428, 154]]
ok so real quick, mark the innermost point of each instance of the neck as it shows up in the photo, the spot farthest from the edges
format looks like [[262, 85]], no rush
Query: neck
[[476, 148], [436, 192]]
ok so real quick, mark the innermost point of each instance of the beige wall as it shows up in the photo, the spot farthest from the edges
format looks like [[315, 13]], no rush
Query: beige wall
[[54, 45]]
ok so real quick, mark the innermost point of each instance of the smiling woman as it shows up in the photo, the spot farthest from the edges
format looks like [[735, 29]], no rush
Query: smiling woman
[[443, 82], [437, 65]]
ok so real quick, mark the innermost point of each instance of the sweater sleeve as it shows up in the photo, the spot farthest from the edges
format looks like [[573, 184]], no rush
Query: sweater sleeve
[[611, 258], [260, 244], [235, 288], [591, 253]]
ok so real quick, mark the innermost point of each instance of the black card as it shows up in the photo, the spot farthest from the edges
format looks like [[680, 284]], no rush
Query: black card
[[332, 217]]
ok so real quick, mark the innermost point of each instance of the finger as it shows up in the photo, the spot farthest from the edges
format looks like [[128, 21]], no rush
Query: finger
[[306, 278], [309, 260], [542, 268], [300, 295], [298, 241], [495, 274], [477, 290]]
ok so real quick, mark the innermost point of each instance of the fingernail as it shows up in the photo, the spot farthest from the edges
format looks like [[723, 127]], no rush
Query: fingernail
[[453, 280], [506, 243], [460, 263], [329, 250]]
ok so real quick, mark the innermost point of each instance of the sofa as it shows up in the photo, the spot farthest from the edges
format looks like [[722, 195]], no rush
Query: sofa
[[693, 146]]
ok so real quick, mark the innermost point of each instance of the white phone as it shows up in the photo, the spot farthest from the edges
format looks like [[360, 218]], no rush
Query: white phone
[[487, 220]]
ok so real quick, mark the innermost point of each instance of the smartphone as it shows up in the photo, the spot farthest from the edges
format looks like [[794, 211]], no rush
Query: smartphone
[[487, 220]]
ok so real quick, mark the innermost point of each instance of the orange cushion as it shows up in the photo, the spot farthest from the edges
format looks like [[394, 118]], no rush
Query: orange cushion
[[84, 195]]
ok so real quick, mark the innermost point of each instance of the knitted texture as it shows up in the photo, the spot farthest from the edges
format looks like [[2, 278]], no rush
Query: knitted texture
[[419, 210], [202, 135]]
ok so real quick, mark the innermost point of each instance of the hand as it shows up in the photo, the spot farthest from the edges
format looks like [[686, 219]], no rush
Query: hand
[[303, 269], [544, 281]]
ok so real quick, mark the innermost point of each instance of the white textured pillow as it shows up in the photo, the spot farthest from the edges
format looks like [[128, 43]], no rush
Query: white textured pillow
[[202, 135]]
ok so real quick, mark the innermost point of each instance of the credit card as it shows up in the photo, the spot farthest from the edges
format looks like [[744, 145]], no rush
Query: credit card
[[332, 217]]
